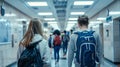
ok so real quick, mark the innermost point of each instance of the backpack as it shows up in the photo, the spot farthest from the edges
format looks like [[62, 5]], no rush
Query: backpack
[[86, 49], [31, 56], [65, 38], [57, 40]]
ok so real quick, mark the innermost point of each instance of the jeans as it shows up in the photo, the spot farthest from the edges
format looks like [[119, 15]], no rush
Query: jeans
[[56, 53], [65, 44]]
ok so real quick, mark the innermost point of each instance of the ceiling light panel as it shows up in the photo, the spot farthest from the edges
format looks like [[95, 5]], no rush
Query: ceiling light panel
[[77, 13], [47, 19], [21, 19], [37, 3], [72, 22], [101, 18], [45, 13], [9, 15], [52, 22], [83, 2], [72, 18], [95, 22], [114, 12], [55, 26], [69, 26], [3, 20]]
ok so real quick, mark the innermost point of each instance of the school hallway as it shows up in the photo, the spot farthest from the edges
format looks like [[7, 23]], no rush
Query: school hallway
[[100, 16]]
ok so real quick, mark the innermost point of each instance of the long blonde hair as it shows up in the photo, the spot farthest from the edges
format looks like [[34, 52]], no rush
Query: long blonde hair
[[35, 27]]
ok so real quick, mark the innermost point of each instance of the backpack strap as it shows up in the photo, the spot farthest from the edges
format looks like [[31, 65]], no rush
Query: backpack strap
[[77, 33], [32, 45], [91, 32]]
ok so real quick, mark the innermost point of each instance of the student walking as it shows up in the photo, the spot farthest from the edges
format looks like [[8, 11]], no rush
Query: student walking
[[33, 49], [84, 46], [65, 39], [50, 43], [56, 41]]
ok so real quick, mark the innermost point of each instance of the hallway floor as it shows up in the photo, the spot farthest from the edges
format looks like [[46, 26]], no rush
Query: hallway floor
[[63, 63]]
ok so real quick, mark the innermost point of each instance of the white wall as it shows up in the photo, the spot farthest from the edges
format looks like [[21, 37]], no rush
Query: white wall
[[115, 6], [8, 54]]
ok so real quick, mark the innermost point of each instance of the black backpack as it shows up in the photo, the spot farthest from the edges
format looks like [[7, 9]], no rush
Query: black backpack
[[65, 38], [86, 49], [31, 56]]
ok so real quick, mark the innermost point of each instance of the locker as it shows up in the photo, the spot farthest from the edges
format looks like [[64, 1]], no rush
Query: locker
[[112, 40]]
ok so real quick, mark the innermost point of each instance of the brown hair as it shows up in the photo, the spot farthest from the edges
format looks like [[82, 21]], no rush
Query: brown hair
[[83, 20], [35, 27]]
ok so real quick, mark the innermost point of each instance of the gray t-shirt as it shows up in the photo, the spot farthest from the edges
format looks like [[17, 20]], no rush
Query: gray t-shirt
[[71, 49]]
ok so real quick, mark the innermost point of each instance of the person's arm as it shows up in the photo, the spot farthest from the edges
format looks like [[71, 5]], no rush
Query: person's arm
[[68, 38], [46, 54], [52, 41], [20, 50], [71, 51], [99, 49], [62, 38]]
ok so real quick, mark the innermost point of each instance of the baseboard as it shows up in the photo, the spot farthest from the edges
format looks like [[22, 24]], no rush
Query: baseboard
[[112, 61], [10, 65]]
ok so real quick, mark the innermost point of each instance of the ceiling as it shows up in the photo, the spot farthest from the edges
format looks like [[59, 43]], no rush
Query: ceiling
[[61, 10]]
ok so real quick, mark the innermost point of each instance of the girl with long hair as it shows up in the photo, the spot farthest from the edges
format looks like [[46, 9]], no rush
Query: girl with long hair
[[34, 34]]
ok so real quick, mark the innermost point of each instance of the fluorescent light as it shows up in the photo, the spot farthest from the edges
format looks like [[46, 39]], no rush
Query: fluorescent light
[[49, 19], [52, 22], [72, 18], [3, 20], [72, 22], [55, 26], [21, 19], [101, 18], [37, 3], [83, 2], [114, 12], [45, 13], [45, 29], [69, 26], [77, 13], [93, 23], [9, 15]]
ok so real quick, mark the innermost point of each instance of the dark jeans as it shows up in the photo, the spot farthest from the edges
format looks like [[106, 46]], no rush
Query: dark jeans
[[56, 52], [65, 44]]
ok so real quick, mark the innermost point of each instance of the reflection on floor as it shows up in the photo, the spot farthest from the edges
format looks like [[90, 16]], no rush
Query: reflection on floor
[[108, 63], [63, 63]]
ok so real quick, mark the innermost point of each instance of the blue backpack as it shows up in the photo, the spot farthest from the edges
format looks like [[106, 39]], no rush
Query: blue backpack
[[85, 49]]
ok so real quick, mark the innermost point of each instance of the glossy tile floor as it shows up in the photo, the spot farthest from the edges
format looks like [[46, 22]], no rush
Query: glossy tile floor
[[63, 63]]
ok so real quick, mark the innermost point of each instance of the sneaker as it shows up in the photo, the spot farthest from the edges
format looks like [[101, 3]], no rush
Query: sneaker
[[64, 57], [56, 62]]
